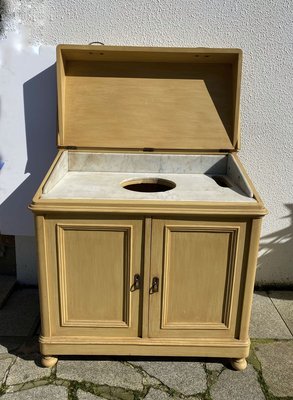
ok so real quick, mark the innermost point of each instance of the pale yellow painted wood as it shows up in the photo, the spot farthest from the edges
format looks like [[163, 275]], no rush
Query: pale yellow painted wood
[[73, 340], [147, 242], [226, 348], [239, 364], [138, 207], [95, 281], [142, 112], [46, 178], [155, 54], [137, 341], [248, 279], [249, 181], [237, 74], [61, 85], [92, 267], [199, 265], [43, 275], [142, 97], [48, 361]]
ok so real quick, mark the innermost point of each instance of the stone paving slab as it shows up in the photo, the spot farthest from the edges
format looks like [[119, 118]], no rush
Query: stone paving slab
[[149, 380], [237, 386], [155, 394], [4, 365], [25, 370], [3, 349], [184, 376], [111, 373], [20, 313], [51, 392], [87, 396], [277, 366], [214, 366], [283, 301], [266, 322], [125, 379]]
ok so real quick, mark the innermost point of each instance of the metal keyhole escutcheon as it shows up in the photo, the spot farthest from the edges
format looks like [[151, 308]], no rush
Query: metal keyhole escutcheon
[[155, 285], [136, 283]]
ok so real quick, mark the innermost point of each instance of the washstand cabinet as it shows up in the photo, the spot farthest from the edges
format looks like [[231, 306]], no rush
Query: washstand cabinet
[[147, 224]]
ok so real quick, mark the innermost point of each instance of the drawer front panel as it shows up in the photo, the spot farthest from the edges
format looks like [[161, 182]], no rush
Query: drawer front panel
[[96, 261], [200, 269]]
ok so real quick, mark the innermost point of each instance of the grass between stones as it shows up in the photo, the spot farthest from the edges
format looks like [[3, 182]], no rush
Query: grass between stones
[[108, 392], [3, 386], [162, 386], [254, 361], [212, 377], [119, 393]]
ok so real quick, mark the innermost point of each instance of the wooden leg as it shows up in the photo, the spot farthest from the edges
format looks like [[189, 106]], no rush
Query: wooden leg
[[48, 361], [239, 363]]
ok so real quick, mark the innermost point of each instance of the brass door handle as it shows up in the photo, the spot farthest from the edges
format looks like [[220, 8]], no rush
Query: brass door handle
[[155, 285]]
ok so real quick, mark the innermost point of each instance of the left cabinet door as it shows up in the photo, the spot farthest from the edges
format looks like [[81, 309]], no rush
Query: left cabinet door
[[92, 265]]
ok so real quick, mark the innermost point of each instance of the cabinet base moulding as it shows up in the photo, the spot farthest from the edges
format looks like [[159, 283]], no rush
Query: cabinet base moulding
[[228, 349]]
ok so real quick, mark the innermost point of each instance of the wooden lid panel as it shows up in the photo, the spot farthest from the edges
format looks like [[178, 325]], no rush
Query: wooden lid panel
[[161, 100]]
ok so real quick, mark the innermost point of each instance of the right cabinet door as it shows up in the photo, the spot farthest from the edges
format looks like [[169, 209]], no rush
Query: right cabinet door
[[195, 278]]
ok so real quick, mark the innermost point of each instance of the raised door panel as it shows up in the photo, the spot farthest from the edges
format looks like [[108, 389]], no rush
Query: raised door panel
[[198, 265], [95, 266]]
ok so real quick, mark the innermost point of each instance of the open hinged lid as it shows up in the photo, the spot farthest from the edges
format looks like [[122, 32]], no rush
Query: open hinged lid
[[154, 98]]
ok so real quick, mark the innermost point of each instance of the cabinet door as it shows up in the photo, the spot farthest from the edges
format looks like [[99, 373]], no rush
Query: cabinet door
[[198, 266], [92, 265]]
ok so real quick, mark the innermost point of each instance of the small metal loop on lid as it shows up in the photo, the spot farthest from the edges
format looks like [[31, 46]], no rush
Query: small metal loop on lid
[[99, 43]]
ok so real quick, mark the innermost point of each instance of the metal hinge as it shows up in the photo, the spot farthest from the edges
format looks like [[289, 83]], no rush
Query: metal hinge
[[147, 149], [70, 147]]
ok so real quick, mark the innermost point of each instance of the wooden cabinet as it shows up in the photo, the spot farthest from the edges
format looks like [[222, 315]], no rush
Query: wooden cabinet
[[147, 223], [144, 285]]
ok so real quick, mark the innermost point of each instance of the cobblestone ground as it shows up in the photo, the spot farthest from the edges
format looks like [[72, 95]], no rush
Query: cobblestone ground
[[269, 374]]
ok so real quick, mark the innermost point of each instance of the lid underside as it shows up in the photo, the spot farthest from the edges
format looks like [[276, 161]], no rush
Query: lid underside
[[135, 98]]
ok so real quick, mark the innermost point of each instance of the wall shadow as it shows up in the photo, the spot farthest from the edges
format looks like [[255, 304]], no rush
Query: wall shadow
[[40, 109], [277, 252]]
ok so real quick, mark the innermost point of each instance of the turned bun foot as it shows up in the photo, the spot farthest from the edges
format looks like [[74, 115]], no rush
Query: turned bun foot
[[48, 361], [239, 364]]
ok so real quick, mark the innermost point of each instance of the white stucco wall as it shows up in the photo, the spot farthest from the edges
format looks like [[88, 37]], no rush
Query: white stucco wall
[[262, 28]]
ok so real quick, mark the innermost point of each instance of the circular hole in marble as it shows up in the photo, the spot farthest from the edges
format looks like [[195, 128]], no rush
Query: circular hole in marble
[[148, 185]]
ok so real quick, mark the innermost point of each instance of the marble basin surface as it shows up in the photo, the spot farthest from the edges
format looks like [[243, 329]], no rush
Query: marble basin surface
[[102, 176]]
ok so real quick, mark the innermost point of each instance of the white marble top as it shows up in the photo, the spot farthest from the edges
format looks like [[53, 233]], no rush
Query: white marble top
[[153, 163], [107, 185], [89, 175]]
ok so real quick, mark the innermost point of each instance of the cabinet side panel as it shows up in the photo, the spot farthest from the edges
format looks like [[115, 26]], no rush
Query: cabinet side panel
[[248, 279], [43, 275]]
